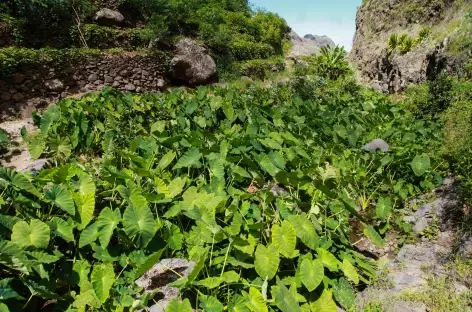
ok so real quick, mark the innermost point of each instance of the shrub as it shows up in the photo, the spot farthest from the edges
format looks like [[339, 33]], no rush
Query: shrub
[[406, 44], [242, 48], [392, 42], [260, 69], [130, 38], [48, 22]]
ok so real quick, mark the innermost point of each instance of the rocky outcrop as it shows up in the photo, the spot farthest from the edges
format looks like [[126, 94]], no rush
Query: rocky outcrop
[[392, 71], [191, 64], [308, 45], [321, 41], [107, 17]]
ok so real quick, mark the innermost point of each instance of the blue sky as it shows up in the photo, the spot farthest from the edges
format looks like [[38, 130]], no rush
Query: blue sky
[[334, 18]]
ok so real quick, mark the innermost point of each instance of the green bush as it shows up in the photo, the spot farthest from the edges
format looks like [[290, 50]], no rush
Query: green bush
[[130, 38], [242, 48], [428, 100], [261, 69], [48, 23]]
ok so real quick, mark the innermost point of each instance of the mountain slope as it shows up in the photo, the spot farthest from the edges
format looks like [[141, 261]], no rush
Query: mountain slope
[[399, 42]]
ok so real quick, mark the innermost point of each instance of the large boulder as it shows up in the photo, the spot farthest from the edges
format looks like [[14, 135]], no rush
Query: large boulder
[[107, 17], [191, 64]]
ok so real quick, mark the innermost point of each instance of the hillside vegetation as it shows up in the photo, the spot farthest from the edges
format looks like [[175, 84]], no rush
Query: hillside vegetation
[[261, 188], [230, 29], [256, 185]]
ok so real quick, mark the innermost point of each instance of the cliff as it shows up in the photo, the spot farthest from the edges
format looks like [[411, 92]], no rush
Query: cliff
[[400, 42]]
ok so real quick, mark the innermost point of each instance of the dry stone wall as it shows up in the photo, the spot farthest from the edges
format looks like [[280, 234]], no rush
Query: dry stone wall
[[33, 87]]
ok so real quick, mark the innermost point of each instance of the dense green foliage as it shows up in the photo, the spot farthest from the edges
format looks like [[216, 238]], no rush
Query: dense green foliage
[[12, 58], [46, 23], [229, 28], [234, 34], [198, 174]]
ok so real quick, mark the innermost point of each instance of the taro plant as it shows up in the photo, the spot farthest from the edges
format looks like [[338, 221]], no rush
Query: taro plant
[[256, 186]]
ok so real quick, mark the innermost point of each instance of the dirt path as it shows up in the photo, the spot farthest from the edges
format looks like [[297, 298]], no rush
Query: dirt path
[[18, 158]]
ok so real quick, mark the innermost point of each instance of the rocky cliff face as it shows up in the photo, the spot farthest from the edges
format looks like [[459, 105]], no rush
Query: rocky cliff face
[[310, 44], [429, 25]]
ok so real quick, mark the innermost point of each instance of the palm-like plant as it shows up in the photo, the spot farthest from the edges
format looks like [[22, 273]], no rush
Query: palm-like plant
[[406, 45], [332, 62], [392, 43]]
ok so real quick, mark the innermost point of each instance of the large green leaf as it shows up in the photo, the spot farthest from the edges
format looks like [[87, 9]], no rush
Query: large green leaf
[[173, 236], [85, 208], [267, 261], [4, 307], [35, 234], [350, 271], [81, 270], [52, 115], [179, 306], [62, 229], [6, 292], [148, 263], [107, 222], [325, 303], [61, 197], [210, 304], [85, 200], [284, 299], [328, 259], [18, 180], [305, 230], [166, 160], [420, 165], [374, 236], [176, 186], [139, 224], [311, 273], [284, 238], [89, 235], [267, 165], [383, 207], [238, 304], [189, 159], [102, 278], [36, 146], [255, 301]]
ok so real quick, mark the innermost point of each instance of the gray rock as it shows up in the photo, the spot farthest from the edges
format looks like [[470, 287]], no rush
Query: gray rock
[[54, 85], [125, 73], [108, 79], [161, 83], [420, 225], [161, 275], [18, 96], [6, 96], [130, 87], [191, 64], [377, 144], [107, 17], [115, 84], [465, 247], [37, 166], [404, 306], [93, 77], [18, 78], [409, 219]]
